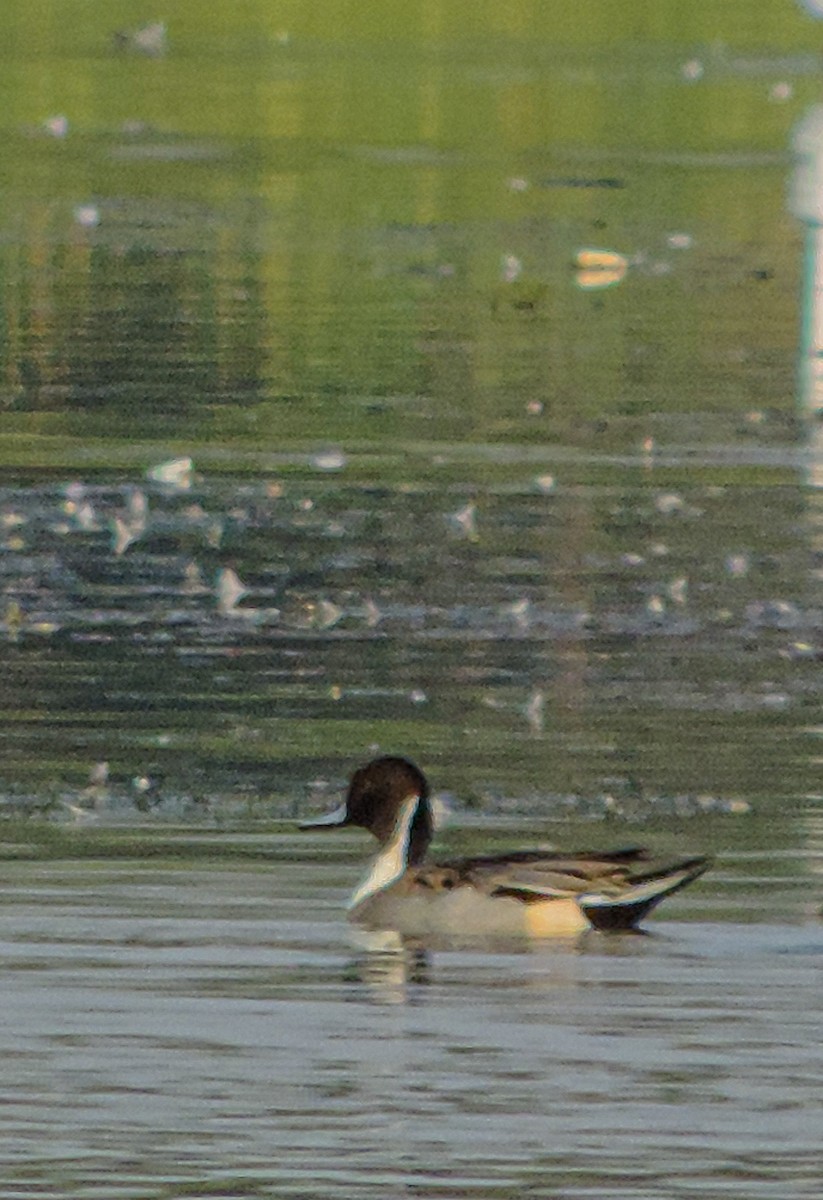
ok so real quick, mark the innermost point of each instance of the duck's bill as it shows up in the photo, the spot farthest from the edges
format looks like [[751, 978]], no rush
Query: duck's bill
[[329, 821]]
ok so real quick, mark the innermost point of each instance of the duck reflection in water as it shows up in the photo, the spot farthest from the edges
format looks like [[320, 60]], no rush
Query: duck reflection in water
[[391, 967], [525, 893]]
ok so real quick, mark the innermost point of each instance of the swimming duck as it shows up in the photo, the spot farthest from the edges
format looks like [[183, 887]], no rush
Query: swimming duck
[[525, 892]]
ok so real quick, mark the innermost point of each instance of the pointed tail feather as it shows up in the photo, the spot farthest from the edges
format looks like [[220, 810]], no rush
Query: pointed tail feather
[[607, 912]]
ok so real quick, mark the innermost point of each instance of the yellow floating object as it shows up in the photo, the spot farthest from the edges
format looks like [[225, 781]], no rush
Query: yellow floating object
[[601, 260], [599, 268]]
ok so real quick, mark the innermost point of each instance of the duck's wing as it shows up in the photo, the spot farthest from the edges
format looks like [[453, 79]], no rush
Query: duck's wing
[[615, 889]]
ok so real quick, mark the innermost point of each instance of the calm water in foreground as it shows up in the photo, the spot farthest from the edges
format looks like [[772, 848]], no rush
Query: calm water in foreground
[[210, 1031], [450, 497]]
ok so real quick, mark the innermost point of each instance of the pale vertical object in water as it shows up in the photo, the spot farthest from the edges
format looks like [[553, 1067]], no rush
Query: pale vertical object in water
[[535, 711], [806, 203]]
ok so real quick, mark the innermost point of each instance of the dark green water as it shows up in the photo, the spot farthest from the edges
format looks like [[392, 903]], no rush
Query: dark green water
[[561, 543]]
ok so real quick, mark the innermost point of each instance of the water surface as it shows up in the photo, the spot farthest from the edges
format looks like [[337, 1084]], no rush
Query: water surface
[[448, 497], [211, 1031]]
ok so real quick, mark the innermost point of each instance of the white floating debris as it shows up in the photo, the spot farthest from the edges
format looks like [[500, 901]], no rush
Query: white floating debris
[[326, 614], [150, 39], [229, 591], [520, 612], [692, 70], [99, 774], [545, 483], [738, 565], [534, 408], [517, 184], [134, 127], [124, 535], [214, 533], [668, 503], [85, 517], [418, 696], [802, 650], [176, 473], [87, 215], [56, 126], [779, 614], [138, 508], [781, 92], [511, 268], [441, 809], [129, 528], [193, 583], [80, 813], [465, 520], [680, 241], [678, 589], [95, 794], [655, 606], [328, 460], [75, 490], [316, 614], [372, 613]]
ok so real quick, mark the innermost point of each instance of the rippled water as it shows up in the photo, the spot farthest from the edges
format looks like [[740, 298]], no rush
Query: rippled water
[[585, 641], [211, 1031]]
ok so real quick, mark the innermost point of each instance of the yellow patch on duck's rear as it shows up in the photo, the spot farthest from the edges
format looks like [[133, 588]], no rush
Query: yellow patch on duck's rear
[[554, 918]]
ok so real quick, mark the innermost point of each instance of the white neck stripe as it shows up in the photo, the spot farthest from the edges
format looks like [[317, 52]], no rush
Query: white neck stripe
[[390, 862]]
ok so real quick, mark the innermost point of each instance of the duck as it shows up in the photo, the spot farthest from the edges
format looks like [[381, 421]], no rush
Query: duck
[[533, 893]]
